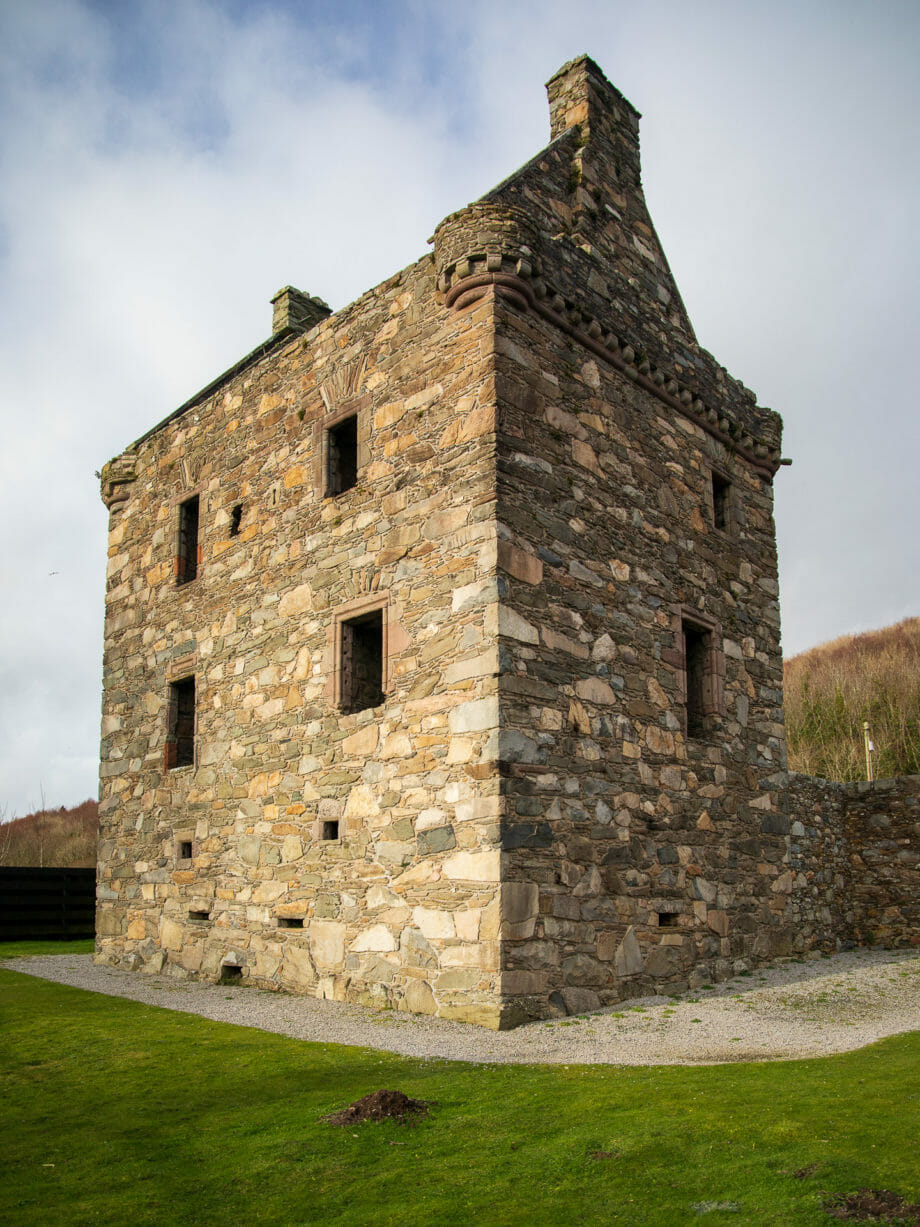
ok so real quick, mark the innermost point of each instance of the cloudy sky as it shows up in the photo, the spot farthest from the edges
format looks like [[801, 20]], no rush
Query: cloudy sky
[[167, 165]]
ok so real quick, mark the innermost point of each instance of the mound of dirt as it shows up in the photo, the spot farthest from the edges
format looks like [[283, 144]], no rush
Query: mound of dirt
[[380, 1105], [874, 1206]]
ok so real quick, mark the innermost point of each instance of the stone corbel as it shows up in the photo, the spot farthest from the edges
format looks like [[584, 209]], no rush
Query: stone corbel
[[115, 481]]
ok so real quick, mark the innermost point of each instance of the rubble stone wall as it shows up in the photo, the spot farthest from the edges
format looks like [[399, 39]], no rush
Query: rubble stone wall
[[403, 906], [856, 852], [658, 859]]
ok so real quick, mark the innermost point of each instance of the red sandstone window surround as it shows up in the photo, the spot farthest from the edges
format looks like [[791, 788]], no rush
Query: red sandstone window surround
[[341, 447], [180, 724], [360, 677]]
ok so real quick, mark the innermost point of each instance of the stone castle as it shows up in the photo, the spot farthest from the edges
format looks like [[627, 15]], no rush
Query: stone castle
[[442, 652]]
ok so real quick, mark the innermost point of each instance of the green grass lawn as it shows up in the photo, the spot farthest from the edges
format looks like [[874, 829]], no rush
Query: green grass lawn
[[30, 949], [116, 1112]]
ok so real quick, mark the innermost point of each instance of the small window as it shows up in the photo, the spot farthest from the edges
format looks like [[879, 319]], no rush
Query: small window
[[361, 663], [342, 455], [185, 850], [668, 920], [186, 565], [290, 922], [236, 518], [331, 828], [180, 732], [696, 656], [721, 502], [199, 916]]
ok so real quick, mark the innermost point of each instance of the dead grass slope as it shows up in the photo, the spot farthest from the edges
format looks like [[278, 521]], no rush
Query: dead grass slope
[[64, 838], [831, 689]]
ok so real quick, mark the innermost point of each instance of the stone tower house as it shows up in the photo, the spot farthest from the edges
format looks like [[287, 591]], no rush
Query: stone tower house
[[442, 662]]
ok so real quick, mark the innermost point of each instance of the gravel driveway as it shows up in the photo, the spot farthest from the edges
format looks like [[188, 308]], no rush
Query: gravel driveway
[[791, 1009]]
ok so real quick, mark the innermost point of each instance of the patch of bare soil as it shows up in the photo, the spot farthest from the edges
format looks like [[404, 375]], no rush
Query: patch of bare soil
[[380, 1105], [874, 1206]]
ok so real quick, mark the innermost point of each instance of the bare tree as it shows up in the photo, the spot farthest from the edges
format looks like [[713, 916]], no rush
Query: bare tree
[[41, 827]]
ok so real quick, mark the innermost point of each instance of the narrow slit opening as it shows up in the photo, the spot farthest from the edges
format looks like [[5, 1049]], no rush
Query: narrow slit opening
[[696, 649], [180, 737], [342, 456], [721, 505], [187, 553]]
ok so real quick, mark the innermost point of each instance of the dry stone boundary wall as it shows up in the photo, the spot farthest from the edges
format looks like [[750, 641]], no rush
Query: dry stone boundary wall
[[855, 852]]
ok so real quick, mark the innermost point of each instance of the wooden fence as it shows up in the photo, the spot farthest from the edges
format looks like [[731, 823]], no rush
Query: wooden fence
[[46, 903]]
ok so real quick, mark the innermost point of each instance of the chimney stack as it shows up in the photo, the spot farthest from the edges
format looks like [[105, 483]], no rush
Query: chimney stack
[[295, 311], [580, 96]]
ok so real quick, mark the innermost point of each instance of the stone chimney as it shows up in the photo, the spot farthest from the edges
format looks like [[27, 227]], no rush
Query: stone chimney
[[581, 96], [295, 311]]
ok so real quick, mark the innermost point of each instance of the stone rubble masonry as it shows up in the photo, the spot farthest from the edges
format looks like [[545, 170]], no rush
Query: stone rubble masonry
[[855, 856], [525, 825]]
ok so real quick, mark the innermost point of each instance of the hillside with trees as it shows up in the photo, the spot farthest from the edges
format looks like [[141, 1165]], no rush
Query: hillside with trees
[[831, 689], [64, 838]]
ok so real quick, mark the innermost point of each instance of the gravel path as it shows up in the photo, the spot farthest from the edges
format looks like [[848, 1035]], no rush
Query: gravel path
[[789, 1010]]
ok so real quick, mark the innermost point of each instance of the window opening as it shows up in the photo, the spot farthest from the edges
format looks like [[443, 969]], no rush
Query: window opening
[[187, 555], [290, 922], [342, 456], [362, 661], [199, 915], [330, 828], [180, 733], [185, 849], [668, 920], [236, 517], [721, 502], [230, 974], [696, 664]]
